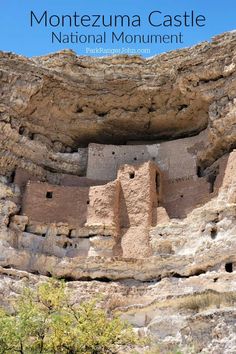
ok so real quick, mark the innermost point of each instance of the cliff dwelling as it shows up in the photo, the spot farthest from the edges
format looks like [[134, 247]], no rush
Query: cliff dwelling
[[126, 190], [118, 176]]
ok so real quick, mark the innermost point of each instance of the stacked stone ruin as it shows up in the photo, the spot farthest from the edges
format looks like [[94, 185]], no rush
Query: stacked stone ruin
[[127, 190]]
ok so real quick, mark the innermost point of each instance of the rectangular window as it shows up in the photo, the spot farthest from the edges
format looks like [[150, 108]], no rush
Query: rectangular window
[[157, 183], [49, 195]]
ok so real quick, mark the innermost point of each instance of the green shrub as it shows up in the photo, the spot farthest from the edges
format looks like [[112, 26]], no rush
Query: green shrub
[[46, 322]]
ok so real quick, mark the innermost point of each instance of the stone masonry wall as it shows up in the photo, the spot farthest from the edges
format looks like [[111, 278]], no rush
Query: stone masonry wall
[[122, 211], [116, 212], [138, 194], [175, 158], [140, 189], [23, 176], [179, 196], [103, 208], [79, 207], [182, 186], [47, 203]]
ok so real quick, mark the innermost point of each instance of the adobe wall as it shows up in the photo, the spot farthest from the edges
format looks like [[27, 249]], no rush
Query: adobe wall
[[77, 181], [77, 206], [126, 203], [23, 176], [67, 205], [103, 208], [228, 188], [182, 189], [120, 212], [138, 195], [180, 196], [175, 158], [140, 191], [224, 168]]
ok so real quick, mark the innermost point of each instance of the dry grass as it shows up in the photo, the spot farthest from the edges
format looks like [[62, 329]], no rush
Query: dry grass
[[116, 301], [206, 300], [159, 349], [195, 302]]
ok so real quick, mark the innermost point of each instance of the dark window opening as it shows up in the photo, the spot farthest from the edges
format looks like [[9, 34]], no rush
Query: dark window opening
[[79, 109], [101, 114], [199, 171], [213, 233], [229, 267], [88, 202], [21, 130], [157, 183], [113, 152], [135, 158], [182, 106], [152, 109], [12, 177], [65, 245], [131, 175], [211, 180], [49, 195], [70, 232], [181, 196], [44, 235], [75, 245], [153, 158]]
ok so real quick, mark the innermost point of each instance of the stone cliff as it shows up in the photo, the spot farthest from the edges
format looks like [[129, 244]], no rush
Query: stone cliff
[[132, 161]]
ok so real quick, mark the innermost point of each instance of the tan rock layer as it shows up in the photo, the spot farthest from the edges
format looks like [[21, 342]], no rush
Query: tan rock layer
[[74, 100]]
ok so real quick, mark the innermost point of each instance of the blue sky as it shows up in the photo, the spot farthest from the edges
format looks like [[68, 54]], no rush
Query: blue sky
[[17, 36]]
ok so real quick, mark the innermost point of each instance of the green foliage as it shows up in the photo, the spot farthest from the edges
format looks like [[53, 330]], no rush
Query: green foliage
[[46, 322]]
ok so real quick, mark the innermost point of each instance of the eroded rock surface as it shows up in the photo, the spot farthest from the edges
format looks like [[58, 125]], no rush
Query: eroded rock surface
[[164, 249]]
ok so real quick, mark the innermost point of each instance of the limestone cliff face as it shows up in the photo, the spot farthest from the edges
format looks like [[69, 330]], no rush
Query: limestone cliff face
[[74, 100], [184, 290]]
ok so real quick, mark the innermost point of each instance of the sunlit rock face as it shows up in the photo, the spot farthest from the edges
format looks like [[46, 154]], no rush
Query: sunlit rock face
[[118, 174]]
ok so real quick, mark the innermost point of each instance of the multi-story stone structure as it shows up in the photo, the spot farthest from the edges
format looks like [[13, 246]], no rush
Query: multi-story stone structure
[[127, 190]]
